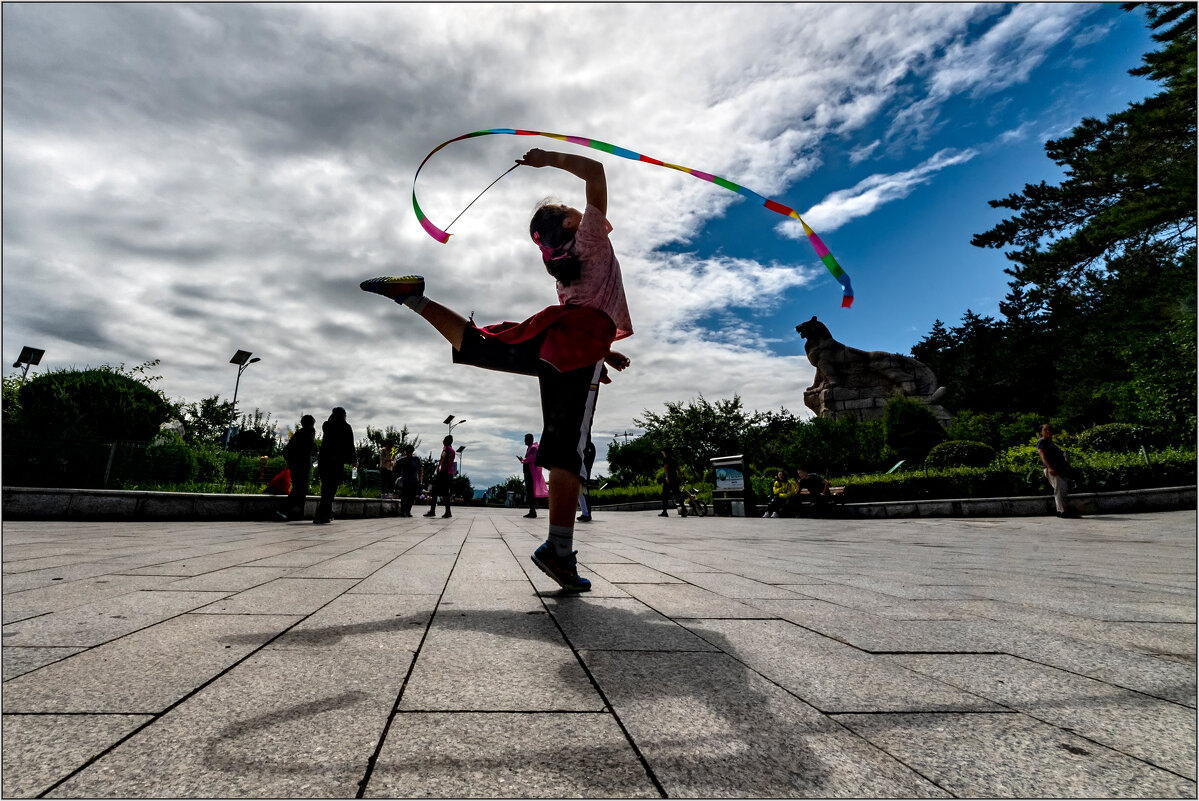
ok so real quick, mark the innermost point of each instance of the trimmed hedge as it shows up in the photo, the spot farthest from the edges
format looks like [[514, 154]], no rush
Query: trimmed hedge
[[960, 453], [1092, 472]]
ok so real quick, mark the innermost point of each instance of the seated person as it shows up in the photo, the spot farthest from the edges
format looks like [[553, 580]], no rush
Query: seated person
[[816, 485], [781, 494]]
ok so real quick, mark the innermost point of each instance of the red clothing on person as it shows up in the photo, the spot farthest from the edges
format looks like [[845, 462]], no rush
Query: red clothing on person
[[575, 336]]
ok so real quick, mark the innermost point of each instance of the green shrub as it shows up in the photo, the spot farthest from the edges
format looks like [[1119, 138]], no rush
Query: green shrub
[[954, 482], [97, 405], [1021, 428], [1111, 438], [210, 463], [613, 495], [911, 428], [170, 460], [960, 453]]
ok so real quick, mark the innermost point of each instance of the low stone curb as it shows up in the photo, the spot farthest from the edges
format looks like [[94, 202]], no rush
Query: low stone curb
[[30, 503], [1088, 503]]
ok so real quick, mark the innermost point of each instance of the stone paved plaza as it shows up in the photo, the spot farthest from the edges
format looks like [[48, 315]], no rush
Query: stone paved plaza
[[387, 657]]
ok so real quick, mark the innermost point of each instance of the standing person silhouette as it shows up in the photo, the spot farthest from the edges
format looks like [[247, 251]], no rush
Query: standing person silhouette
[[442, 479], [298, 452], [672, 486], [412, 478], [565, 346], [337, 450], [534, 481]]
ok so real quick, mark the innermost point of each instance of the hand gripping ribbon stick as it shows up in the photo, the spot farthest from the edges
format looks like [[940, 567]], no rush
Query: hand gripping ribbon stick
[[822, 250]]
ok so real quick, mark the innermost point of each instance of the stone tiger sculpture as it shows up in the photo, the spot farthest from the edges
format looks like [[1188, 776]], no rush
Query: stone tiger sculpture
[[853, 382]]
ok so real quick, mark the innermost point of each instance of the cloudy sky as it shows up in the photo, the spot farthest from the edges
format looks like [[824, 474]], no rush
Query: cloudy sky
[[181, 181]]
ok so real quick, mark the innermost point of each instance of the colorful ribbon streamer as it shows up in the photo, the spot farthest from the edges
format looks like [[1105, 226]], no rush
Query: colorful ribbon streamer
[[822, 250]]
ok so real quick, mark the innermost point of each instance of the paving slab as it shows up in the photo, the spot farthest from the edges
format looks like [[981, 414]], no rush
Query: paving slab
[[1155, 731], [829, 675], [228, 579], [415, 573], [381, 623], [274, 727], [144, 672], [486, 660], [714, 657], [282, 596], [61, 596], [620, 624], [710, 727], [42, 750], [1013, 756], [499, 755], [108, 619], [19, 660]]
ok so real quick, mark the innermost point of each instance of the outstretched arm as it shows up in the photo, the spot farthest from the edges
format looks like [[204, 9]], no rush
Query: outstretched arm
[[589, 170]]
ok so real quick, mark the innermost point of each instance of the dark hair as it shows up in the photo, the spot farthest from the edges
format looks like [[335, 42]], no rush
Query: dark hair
[[556, 242], [448, 440], [307, 421]]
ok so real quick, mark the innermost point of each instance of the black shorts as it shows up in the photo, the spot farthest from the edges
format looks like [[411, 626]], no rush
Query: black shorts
[[567, 399]]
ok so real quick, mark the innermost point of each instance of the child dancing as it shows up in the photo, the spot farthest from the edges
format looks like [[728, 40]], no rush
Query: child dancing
[[565, 346]]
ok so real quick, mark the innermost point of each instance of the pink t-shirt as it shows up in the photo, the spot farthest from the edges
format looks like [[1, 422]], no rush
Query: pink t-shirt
[[599, 284]]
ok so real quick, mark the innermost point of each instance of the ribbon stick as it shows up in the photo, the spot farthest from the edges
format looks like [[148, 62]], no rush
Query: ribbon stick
[[822, 251]]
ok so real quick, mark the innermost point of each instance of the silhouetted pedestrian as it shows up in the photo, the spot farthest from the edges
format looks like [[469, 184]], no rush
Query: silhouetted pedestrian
[[443, 478], [337, 450], [298, 452], [412, 478]]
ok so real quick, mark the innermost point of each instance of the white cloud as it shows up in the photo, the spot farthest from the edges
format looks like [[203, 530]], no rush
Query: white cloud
[[1004, 55], [871, 193], [859, 154], [185, 180]]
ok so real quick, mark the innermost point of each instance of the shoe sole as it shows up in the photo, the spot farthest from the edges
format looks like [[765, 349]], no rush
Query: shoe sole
[[557, 580], [395, 288]]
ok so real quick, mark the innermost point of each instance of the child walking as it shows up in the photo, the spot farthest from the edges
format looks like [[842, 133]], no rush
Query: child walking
[[565, 346]]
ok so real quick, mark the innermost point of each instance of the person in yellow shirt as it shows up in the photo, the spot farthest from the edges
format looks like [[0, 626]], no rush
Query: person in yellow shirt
[[782, 492]]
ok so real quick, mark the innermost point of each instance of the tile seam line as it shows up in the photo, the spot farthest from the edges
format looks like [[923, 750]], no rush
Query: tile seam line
[[155, 717], [608, 706], [829, 716], [373, 759]]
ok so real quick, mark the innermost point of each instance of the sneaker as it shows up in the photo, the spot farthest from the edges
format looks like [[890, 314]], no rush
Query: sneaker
[[429, 514], [584, 518], [398, 289], [663, 514], [320, 521], [447, 514], [562, 569], [531, 514]]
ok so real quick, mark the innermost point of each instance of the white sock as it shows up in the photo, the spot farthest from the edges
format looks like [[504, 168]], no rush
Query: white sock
[[416, 302], [562, 538]]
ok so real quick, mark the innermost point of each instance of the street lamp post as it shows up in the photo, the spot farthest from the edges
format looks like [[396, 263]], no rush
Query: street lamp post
[[242, 360], [461, 448], [449, 421], [29, 357]]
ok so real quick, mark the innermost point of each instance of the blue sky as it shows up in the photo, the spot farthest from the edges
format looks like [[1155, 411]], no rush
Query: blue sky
[[181, 181]]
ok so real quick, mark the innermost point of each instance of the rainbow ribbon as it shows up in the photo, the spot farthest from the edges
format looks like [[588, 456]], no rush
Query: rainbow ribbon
[[822, 250]]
